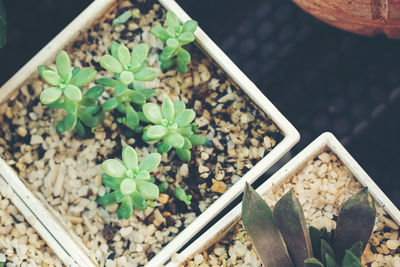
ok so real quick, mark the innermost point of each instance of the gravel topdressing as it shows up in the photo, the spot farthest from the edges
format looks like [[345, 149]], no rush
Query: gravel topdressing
[[322, 186], [20, 245], [64, 171]]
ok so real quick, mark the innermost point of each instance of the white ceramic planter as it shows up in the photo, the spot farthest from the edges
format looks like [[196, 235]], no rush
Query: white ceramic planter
[[48, 54], [322, 143]]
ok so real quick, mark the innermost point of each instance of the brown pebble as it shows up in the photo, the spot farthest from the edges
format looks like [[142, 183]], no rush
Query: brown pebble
[[108, 232], [218, 186], [163, 198]]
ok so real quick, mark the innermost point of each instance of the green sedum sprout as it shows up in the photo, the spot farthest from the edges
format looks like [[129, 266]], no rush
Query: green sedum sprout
[[175, 36], [173, 126], [181, 195], [130, 69], [130, 181], [124, 17], [83, 110]]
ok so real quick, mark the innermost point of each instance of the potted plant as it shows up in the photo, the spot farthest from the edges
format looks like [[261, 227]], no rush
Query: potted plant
[[365, 17], [127, 111], [323, 177]]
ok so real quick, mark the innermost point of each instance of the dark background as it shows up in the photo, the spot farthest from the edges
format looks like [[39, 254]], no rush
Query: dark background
[[320, 78]]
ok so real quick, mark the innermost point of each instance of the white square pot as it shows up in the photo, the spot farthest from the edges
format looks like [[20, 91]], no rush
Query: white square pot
[[326, 141], [74, 251]]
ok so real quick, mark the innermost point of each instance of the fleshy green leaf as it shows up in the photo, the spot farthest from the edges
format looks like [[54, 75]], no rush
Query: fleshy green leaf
[[129, 157], [182, 66], [114, 49], [186, 37], [259, 223], [138, 201], [180, 193], [357, 249], [326, 249], [107, 82], [113, 168], [313, 262], [121, 19], [179, 107], [107, 199], [184, 154], [150, 162], [88, 119], [147, 92], [197, 139], [183, 55], [156, 131], [50, 95], [167, 109], [69, 121], [128, 186], [185, 117], [111, 64], [125, 210], [80, 130], [187, 144], [167, 53], [51, 77], [175, 139], [72, 92], [111, 182], [152, 112], [94, 92], [190, 26], [42, 68], [146, 74], [126, 77], [63, 64], [148, 190], [120, 89], [143, 175], [166, 63], [110, 104], [163, 187], [124, 56], [355, 222], [71, 106], [172, 20], [316, 237], [83, 77], [163, 148], [139, 54], [173, 43], [132, 118], [289, 218], [160, 33], [351, 260], [136, 97], [329, 261]]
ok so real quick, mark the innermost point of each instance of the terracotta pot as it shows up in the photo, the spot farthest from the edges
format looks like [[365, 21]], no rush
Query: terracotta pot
[[367, 17]]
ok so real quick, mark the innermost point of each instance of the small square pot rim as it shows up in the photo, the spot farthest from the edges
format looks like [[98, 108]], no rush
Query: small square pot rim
[[326, 141], [94, 11]]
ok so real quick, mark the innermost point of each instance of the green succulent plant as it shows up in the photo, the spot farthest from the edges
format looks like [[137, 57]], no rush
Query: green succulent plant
[[173, 126], [282, 238], [130, 69], [175, 35], [124, 17], [182, 196], [130, 181], [83, 110]]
